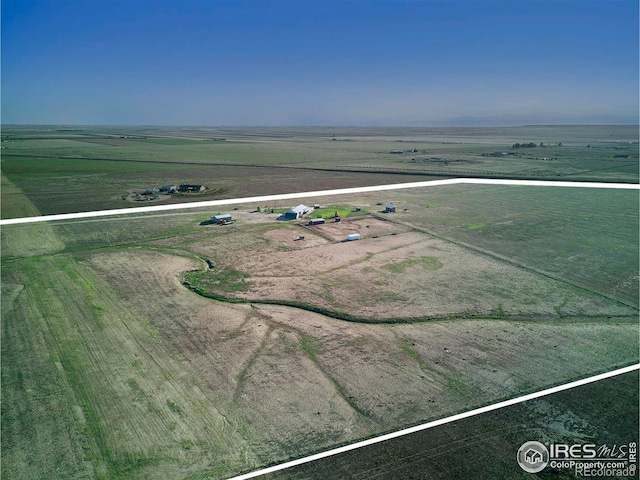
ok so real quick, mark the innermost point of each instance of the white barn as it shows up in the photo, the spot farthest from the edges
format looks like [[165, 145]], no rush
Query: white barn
[[297, 212]]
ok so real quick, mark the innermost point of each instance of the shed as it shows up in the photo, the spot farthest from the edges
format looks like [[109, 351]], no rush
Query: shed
[[297, 212], [316, 221], [221, 219], [353, 236], [168, 188], [390, 209]]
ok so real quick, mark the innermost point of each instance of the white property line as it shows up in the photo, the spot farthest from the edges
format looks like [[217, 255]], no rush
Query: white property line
[[436, 423], [320, 193]]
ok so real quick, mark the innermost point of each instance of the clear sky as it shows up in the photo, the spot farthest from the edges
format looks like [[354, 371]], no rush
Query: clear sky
[[350, 62]]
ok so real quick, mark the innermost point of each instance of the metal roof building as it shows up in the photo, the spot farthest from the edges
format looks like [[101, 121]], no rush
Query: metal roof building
[[297, 212], [221, 218]]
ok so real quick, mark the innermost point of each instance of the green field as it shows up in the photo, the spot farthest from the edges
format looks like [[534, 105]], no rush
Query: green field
[[111, 368]]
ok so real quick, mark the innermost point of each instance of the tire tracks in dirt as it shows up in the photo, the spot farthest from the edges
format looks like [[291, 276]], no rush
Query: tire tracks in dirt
[[309, 354], [243, 375]]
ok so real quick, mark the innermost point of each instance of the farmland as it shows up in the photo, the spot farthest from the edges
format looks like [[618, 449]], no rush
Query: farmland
[[168, 347], [93, 168], [485, 446]]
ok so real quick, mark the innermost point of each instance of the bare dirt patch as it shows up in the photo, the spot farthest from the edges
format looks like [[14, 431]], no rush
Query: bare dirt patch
[[404, 276], [367, 226], [295, 237]]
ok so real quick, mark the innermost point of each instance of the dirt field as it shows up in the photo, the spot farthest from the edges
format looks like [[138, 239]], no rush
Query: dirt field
[[287, 382], [391, 274]]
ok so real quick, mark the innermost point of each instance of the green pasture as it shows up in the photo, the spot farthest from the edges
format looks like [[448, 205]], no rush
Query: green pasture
[[426, 262], [331, 210], [589, 236], [23, 168]]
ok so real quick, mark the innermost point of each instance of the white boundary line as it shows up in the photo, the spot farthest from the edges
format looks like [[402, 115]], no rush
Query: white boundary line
[[436, 423], [320, 193]]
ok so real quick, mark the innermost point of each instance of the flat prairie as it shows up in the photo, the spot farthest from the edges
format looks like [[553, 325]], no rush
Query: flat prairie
[[95, 168], [162, 346]]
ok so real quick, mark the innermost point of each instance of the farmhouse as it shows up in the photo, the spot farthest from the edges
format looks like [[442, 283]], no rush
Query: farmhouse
[[297, 212], [188, 188], [222, 219]]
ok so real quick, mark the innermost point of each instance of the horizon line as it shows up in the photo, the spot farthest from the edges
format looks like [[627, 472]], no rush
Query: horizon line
[[337, 125]]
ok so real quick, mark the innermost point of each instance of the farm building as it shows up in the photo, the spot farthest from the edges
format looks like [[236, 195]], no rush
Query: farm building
[[221, 219], [191, 188], [168, 188], [316, 221], [297, 212], [353, 236], [390, 209]]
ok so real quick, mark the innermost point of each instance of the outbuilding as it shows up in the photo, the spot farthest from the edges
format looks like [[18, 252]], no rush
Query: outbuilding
[[316, 221], [353, 236], [168, 188], [390, 209], [297, 212], [221, 219]]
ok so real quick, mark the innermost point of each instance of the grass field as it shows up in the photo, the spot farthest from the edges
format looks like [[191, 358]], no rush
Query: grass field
[[112, 368], [93, 168]]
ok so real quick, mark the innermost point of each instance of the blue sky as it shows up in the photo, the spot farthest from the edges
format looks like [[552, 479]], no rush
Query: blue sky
[[350, 62]]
